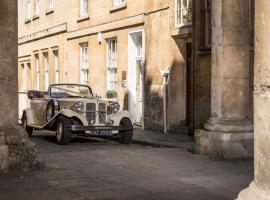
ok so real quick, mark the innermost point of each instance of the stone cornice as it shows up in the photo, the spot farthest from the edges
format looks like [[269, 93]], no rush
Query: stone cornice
[[62, 28], [106, 27]]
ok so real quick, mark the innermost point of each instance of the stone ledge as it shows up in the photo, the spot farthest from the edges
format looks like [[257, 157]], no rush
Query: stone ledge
[[49, 11], [118, 8], [82, 19], [218, 145]]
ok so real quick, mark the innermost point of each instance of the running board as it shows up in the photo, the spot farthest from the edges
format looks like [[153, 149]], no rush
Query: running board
[[42, 127]]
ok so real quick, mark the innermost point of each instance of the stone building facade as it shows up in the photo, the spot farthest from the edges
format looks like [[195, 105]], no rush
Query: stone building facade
[[221, 76], [115, 47], [121, 48]]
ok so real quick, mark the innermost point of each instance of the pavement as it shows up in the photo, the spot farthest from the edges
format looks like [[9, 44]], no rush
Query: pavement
[[90, 169], [158, 139]]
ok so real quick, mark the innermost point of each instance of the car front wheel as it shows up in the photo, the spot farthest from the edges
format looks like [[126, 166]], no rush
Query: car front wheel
[[63, 135]]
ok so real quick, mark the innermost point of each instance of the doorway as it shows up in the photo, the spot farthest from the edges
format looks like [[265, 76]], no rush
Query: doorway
[[189, 90], [136, 76]]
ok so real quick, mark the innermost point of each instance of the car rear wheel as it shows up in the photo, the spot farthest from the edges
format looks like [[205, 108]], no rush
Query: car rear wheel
[[63, 135], [126, 136], [50, 110], [28, 130]]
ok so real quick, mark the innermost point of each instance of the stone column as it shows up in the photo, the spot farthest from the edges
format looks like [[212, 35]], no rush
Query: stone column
[[229, 132], [260, 188], [16, 151]]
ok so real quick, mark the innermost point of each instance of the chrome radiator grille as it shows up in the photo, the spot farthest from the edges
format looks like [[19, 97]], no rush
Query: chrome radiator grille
[[102, 113], [91, 112]]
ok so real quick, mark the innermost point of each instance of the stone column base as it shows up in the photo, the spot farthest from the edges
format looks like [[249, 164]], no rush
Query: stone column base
[[16, 150], [254, 193], [219, 145]]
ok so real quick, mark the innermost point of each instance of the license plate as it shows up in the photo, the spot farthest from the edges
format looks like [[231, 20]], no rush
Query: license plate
[[101, 133]]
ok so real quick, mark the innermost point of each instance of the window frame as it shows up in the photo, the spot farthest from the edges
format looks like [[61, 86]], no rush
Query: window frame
[[118, 3], [46, 67], [84, 63], [178, 12], [37, 71], [50, 4], [28, 9], [84, 8], [36, 8], [56, 65], [112, 64]]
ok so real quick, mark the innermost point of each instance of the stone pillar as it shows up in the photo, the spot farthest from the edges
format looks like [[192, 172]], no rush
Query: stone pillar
[[260, 188], [229, 132], [16, 151]]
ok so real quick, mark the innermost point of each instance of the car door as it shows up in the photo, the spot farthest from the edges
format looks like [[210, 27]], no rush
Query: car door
[[39, 110]]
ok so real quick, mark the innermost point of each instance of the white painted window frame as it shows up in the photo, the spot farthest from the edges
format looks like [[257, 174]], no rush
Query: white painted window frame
[[180, 9], [24, 76], [37, 68], [84, 65], [56, 65], [36, 8], [46, 70], [84, 8], [112, 64], [28, 9], [50, 4], [117, 3]]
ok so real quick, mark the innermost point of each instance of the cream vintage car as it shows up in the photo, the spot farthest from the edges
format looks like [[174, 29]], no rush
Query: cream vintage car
[[73, 109]]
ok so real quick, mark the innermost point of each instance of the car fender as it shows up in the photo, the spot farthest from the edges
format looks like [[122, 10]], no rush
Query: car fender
[[29, 116], [72, 114], [117, 117]]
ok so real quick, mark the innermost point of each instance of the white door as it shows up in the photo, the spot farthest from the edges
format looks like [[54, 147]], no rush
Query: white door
[[135, 76]]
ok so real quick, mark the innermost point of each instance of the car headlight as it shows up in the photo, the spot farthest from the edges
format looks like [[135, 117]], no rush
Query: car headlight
[[115, 107], [78, 107]]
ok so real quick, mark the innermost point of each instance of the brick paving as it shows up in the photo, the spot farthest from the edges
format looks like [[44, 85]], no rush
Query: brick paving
[[106, 170]]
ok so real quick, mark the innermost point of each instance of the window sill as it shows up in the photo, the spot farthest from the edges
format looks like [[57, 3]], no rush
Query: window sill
[[183, 25], [182, 31], [26, 21], [35, 17], [49, 11], [118, 8], [84, 18]]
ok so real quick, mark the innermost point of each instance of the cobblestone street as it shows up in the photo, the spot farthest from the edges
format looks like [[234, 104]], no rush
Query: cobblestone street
[[100, 169]]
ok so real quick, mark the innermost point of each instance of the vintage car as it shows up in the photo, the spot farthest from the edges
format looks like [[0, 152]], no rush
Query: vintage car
[[73, 109]]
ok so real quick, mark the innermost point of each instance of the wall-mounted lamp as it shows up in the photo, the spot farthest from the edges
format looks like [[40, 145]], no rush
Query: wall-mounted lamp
[[99, 37], [165, 73]]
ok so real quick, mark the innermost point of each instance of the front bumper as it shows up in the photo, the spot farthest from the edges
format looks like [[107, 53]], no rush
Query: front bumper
[[81, 128]]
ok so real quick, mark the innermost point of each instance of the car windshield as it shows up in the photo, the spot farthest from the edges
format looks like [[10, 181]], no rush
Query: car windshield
[[69, 91]]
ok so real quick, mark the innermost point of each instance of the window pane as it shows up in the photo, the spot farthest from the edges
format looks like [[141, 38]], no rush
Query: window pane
[[84, 63], [112, 64], [184, 3]]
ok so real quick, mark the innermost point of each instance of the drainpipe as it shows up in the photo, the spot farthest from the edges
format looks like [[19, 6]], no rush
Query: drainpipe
[[165, 73]]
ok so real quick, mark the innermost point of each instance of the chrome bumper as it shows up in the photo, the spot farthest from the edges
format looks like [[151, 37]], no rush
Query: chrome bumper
[[80, 128]]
